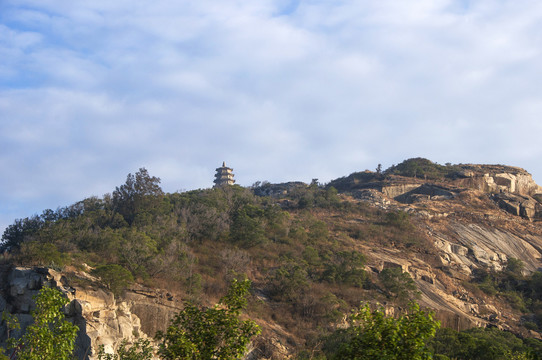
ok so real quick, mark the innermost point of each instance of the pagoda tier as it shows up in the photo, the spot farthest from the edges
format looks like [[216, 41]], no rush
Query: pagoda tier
[[224, 176]]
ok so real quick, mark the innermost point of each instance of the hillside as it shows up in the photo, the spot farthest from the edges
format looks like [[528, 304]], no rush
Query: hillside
[[463, 240]]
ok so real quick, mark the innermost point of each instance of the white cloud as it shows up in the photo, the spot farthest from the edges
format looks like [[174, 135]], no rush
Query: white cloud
[[281, 90]]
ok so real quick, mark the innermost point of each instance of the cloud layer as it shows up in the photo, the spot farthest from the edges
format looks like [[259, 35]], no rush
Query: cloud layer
[[282, 90]]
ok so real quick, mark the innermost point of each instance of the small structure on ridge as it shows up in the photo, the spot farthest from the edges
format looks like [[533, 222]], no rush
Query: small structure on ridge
[[224, 176]]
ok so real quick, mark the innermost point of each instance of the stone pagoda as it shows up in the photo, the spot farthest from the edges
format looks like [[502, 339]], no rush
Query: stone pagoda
[[224, 176]]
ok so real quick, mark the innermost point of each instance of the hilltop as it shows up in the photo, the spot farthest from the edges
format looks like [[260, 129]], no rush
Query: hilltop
[[463, 240]]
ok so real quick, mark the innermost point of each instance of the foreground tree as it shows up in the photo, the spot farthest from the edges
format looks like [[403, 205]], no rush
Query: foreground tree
[[210, 333], [51, 336], [373, 335]]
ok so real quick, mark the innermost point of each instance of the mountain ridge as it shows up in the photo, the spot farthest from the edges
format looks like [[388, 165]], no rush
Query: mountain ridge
[[312, 251]]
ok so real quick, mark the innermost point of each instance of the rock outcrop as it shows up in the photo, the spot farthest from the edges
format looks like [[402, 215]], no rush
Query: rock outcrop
[[103, 320], [498, 178], [518, 205]]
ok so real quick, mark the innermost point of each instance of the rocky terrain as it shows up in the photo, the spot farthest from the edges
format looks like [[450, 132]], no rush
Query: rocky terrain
[[477, 219], [103, 320]]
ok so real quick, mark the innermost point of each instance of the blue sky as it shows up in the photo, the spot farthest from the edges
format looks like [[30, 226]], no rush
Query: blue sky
[[281, 90]]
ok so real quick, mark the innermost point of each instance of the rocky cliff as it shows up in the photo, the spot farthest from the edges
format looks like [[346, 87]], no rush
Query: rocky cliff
[[498, 178], [476, 219], [103, 320]]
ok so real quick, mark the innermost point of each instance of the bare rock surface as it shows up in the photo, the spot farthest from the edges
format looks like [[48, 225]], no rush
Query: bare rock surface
[[103, 320], [497, 178]]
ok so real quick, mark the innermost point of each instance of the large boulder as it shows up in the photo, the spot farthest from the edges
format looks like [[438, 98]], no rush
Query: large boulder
[[517, 205]]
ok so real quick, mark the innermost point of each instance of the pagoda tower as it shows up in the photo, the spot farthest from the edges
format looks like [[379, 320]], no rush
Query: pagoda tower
[[223, 176]]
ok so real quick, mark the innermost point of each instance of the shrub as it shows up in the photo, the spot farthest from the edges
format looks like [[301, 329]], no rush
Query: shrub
[[140, 350], [42, 254], [399, 219], [420, 167], [210, 333], [397, 283], [373, 335], [115, 277], [247, 227], [483, 344]]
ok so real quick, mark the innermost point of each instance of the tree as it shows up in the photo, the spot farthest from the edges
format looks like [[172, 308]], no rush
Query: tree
[[373, 335], [139, 192], [247, 227], [515, 267], [210, 333], [140, 350], [397, 283], [51, 336], [346, 269], [114, 276], [483, 344], [21, 229]]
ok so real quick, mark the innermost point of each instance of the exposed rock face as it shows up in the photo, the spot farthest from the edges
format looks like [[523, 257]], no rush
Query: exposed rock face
[[474, 246], [102, 319], [465, 224], [426, 192], [372, 196], [518, 205], [393, 191], [498, 178], [514, 188]]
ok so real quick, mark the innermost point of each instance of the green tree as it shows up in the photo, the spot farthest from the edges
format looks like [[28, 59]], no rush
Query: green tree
[[42, 254], [51, 336], [346, 269], [397, 283], [400, 219], [373, 335], [422, 168], [21, 229], [247, 227], [210, 333], [515, 267], [483, 344], [114, 276], [289, 282], [140, 195], [140, 350]]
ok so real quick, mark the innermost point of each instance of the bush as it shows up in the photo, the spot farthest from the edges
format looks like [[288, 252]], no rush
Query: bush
[[288, 282], [373, 335], [422, 168], [41, 254], [398, 284], [399, 219], [482, 344], [210, 333], [115, 277], [347, 268], [140, 350], [247, 227]]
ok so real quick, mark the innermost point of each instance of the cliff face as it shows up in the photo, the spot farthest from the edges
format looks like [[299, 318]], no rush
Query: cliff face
[[513, 189], [101, 318], [498, 178], [476, 220]]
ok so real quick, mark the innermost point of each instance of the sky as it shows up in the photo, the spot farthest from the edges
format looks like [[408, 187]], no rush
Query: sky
[[282, 90]]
